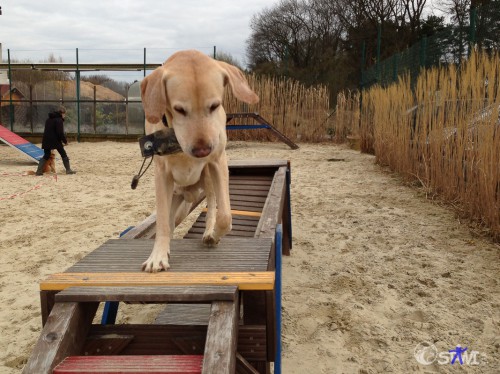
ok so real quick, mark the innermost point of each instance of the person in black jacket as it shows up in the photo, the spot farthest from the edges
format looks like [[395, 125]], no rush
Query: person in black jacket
[[54, 138]]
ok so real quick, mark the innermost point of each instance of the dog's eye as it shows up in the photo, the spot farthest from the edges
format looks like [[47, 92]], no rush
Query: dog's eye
[[180, 110], [214, 106]]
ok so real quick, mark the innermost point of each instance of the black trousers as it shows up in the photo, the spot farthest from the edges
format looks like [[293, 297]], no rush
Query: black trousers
[[60, 149]]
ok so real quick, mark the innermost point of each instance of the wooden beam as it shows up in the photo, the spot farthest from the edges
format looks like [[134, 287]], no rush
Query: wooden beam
[[240, 212], [185, 364], [273, 207], [256, 163], [243, 366], [158, 294], [63, 335], [144, 229], [263, 280], [222, 338], [174, 339]]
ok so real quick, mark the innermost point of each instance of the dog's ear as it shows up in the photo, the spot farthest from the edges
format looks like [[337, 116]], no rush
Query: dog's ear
[[238, 83], [154, 95]]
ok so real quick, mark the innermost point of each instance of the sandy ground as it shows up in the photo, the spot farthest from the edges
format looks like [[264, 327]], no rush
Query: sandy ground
[[375, 270]]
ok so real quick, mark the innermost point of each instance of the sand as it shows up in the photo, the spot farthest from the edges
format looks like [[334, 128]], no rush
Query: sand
[[375, 268]]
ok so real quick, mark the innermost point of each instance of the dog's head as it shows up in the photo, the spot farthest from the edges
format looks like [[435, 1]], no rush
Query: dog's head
[[188, 88]]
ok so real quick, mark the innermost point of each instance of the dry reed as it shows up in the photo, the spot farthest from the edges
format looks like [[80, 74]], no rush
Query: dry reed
[[299, 112], [346, 120], [445, 132]]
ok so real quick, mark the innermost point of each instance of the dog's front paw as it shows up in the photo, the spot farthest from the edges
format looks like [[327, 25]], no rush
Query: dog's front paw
[[210, 240], [156, 263]]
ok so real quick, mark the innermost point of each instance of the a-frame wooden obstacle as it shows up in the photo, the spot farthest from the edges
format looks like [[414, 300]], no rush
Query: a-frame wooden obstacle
[[254, 121], [223, 304]]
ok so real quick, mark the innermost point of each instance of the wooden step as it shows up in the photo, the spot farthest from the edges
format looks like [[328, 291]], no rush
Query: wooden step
[[178, 364], [152, 294], [254, 281]]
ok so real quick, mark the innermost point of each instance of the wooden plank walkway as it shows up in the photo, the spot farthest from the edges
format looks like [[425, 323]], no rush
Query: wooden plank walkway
[[186, 255]]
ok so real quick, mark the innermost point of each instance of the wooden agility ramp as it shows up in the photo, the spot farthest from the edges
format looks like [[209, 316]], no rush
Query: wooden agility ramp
[[222, 304], [13, 140], [254, 121]]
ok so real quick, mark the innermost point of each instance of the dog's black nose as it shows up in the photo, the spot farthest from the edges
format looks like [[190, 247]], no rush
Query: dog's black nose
[[202, 151]]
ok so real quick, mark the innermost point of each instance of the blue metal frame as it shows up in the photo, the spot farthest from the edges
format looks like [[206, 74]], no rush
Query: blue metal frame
[[277, 286], [247, 127], [289, 195], [111, 307], [109, 313]]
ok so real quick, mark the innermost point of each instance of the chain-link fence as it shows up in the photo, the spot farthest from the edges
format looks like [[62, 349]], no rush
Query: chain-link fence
[[98, 110], [449, 46], [100, 89]]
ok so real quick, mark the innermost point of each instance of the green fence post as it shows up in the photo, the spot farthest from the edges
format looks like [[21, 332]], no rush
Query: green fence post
[[287, 61], [11, 105], [379, 43], [472, 27], [77, 96], [362, 81], [215, 52], [395, 67], [363, 59], [423, 48]]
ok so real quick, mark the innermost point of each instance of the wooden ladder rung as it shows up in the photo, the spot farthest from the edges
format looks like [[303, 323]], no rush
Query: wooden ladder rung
[[149, 294], [239, 212], [175, 364], [253, 281]]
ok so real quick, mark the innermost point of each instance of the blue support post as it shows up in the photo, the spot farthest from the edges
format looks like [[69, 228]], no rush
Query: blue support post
[[278, 250], [289, 194], [109, 313], [247, 127], [111, 307]]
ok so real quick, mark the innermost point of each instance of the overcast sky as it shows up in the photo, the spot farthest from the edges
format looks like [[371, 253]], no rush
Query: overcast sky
[[119, 30]]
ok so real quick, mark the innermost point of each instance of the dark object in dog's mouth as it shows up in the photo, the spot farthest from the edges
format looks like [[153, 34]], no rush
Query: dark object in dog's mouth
[[163, 142]]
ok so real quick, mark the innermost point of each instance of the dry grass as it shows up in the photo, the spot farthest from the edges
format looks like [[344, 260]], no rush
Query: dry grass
[[445, 133], [299, 112], [346, 119]]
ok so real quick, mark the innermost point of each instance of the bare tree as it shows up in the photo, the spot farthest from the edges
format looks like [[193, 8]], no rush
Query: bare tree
[[295, 34], [457, 9], [413, 10]]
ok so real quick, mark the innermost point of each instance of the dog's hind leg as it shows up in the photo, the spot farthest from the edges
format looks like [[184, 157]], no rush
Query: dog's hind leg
[[189, 196], [182, 211]]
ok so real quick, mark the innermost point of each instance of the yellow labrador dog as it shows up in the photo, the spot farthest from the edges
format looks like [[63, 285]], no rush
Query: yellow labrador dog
[[188, 89]]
